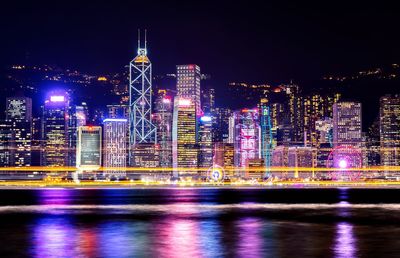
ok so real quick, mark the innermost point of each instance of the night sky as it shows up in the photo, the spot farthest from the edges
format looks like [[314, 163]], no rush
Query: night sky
[[232, 41]]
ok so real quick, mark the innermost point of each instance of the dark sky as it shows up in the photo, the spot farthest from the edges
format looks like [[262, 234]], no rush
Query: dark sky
[[231, 40]]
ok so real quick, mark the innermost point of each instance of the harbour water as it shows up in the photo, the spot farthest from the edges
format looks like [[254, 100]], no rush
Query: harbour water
[[200, 222]]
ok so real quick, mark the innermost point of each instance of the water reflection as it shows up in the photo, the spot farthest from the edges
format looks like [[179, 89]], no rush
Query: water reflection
[[53, 237], [55, 196], [250, 242], [345, 242]]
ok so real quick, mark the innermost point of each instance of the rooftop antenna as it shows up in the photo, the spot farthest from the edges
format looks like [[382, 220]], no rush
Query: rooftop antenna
[[138, 39], [145, 39]]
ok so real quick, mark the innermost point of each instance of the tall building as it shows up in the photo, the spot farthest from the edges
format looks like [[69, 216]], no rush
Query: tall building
[[347, 135], [19, 113], [184, 137], [77, 116], [294, 108], [347, 124], [221, 125], [115, 146], [390, 130], [89, 148], [141, 128], [247, 137], [208, 100], [54, 149], [6, 145], [266, 134], [205, 158], [188, 84], [163, 120]]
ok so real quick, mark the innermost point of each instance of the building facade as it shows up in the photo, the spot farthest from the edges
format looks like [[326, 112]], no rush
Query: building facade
[[89, 148], [115, 146], [54, 131], [184, 137], [188, 84], [389, 127]]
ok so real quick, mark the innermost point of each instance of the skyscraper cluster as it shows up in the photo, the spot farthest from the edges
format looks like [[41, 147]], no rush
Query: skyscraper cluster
[[184, 132]]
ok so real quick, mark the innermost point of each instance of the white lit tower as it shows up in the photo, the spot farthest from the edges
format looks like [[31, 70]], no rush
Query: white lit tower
[[141, 129]]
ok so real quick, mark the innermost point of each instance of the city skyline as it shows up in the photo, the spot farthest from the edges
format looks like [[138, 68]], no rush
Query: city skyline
[[199, 129]]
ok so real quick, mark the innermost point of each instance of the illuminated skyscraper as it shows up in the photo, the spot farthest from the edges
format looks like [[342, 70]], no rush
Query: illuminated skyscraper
[[390, 130], [77, 116], [54, 150], [347, 137], [347, 124], [221, 125], [19, 113], [6, 145], [163, 120], [141, 128], [205, 142], [89, 148], [208, 100], [247, 137], [266, 134], [188, 84], [184, 136], [115, 146], [294, 115]]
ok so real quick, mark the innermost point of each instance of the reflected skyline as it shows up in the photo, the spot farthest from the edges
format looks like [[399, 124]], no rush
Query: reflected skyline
[[195, 223]]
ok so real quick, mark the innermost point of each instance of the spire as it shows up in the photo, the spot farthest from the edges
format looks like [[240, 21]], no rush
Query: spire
[[138, 39], [145, 39]]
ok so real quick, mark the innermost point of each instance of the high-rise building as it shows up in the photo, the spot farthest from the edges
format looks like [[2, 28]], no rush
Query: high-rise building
[[184, 137], [19, 113], [188, 84], [347, 135], [221, 125], [205, 158], [247, 137], [390, 130], [89, 148], [6, 145], [294, 108], [208, 100], [115, 146], [141, 128], [77, 116], [266, 134], [54, 150], [347, 124], [163, 120]]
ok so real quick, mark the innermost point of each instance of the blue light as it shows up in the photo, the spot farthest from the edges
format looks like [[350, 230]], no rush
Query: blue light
[[115, 120], [205, 118]]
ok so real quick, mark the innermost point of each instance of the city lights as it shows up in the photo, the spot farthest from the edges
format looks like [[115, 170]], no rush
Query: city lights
[[57, 98]]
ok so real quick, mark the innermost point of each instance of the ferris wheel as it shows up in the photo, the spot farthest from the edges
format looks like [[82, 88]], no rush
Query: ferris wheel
[[344, 161]]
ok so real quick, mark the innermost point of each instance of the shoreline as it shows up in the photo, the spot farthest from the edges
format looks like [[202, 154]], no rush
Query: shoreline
[[177, 186]]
